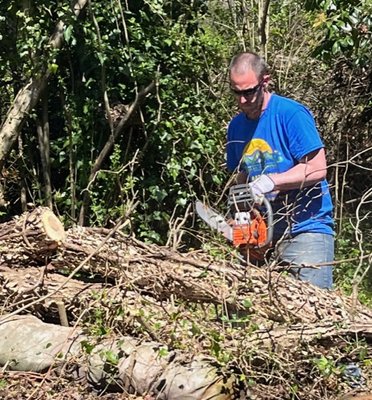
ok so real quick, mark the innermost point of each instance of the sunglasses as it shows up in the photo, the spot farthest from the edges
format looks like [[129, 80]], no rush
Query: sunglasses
[[247, 92]]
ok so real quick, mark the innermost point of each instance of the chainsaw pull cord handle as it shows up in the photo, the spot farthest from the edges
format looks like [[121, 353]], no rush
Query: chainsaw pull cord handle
[[270, 221]]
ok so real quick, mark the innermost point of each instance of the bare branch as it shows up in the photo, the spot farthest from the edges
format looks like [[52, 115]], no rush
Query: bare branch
[[140, 97]]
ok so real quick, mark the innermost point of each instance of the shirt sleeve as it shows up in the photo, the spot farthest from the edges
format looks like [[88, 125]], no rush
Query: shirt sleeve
[[303, 135]]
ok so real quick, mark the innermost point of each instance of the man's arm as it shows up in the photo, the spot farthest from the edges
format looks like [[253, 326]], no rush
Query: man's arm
[[311, 169]]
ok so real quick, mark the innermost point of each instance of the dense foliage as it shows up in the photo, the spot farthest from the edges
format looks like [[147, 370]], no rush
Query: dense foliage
[[117, 50], [172, 148]]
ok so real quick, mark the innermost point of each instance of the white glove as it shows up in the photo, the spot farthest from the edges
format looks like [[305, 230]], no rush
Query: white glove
[[260, 186]]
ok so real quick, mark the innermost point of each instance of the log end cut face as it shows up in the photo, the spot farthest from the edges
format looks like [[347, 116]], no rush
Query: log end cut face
[[53, 227]]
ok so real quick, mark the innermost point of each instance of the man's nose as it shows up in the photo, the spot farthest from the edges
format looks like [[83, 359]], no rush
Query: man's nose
[[242, 100]]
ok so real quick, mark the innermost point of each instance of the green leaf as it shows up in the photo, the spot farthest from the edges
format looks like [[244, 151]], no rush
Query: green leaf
[[52, 68], [336, 48], [247, 303], [163, 352], [87, 347], [110, 357], [68, 33]]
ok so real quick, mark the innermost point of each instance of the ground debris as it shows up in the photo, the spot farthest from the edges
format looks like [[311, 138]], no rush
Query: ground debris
[[280, 338]]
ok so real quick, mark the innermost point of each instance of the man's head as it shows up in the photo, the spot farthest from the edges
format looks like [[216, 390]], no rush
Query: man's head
[[249, 77]]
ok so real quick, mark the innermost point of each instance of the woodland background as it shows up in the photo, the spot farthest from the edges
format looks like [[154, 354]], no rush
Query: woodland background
[[113, 114], [119, 109]]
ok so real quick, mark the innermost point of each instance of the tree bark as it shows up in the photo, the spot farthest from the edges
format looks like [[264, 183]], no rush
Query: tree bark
[[44, 146], [263, 27], [164, 273]]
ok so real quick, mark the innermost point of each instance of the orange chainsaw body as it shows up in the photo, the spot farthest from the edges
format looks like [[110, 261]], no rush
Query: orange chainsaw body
[[253, 233], [249, 226]]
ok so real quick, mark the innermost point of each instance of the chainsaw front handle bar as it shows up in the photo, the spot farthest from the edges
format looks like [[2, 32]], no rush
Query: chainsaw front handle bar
[[270, 222]]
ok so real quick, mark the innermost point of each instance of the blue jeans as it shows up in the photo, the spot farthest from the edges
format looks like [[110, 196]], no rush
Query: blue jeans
[[309, 249]]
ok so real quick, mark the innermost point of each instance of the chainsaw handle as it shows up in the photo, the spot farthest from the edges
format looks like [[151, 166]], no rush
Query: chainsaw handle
[[269, 223]]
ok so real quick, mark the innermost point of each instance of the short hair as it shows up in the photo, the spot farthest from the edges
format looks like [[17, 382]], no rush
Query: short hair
[[248, 61]]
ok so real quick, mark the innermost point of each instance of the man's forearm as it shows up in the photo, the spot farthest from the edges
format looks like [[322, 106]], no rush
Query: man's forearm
[[297, 177], [309, 171]]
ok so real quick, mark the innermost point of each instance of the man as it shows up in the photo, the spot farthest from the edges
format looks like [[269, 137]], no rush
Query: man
[[274, 145]]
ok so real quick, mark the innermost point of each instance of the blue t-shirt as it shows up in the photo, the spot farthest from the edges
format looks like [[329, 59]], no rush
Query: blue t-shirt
[[274, 143]]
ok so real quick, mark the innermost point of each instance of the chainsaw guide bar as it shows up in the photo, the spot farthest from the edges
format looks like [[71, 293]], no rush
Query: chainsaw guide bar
[[214, 220]]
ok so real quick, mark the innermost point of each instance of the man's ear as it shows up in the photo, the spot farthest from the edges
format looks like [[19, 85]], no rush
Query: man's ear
[[266, 80]]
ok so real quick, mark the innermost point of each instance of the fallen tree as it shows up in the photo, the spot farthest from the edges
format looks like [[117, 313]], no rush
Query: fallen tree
[[135, 367], [107, 282]]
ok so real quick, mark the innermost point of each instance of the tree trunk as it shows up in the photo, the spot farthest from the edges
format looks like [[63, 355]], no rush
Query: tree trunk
[[44, 146], [123, 362], [29, 95], [164, 273], [20, 287]]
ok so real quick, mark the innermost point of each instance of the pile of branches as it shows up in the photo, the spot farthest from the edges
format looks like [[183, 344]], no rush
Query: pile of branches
[[260, 333]]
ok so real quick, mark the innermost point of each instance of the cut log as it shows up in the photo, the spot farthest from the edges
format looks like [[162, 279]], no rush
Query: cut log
[[123, 362], [22, 286], [32, 237]]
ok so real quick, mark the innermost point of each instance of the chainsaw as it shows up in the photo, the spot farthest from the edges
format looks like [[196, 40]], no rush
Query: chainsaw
[[249, 227]]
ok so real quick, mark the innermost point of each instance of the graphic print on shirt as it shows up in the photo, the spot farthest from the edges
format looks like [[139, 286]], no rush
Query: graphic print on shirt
[[259, 158]]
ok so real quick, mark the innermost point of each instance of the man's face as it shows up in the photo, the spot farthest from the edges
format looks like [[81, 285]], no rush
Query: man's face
[[249, 92]]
